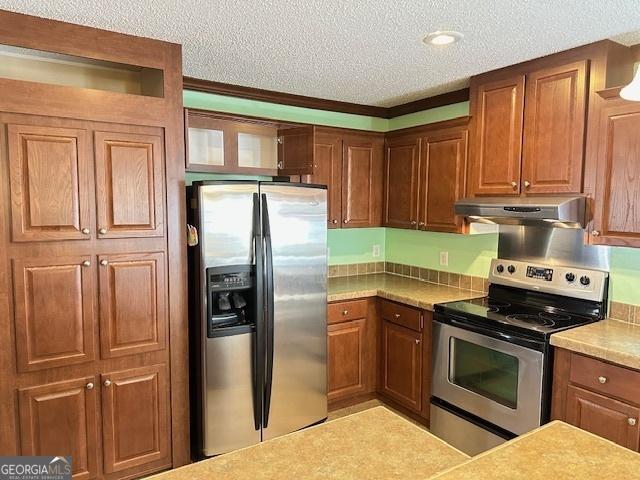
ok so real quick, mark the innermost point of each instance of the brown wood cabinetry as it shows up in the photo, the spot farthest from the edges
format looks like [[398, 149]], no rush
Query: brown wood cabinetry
[[425, 173], [92, 263], [616, 183], [349, 163], [295, 150], [597, 396], [351, 349]]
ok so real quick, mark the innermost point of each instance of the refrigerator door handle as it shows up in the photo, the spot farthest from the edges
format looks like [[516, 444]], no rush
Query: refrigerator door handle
[[258, 347], [266, 232]]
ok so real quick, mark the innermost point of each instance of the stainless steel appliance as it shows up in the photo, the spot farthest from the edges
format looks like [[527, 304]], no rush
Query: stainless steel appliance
[[491, 356], [258, 311]]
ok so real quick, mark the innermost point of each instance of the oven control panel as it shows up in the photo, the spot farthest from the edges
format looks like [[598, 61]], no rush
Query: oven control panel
[[557, 279]]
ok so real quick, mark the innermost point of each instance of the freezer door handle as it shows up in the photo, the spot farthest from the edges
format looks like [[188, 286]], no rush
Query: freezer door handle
[[258, 348], [268, 254]]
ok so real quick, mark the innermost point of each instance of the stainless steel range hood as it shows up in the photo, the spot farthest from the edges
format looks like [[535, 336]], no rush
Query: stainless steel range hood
[[563, 212]]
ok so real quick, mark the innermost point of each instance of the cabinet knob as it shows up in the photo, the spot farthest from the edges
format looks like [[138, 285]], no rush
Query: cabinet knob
[[280, 164], [514, 185], [345, 312], [397, 315], [86, 231], [595, 233], [417, 341], [602, 379], [345, 221], [631, 421], [86, 263], [89, 386], [104, 263], [334, 221], [526, 184], [422, 224], [107, 382], [102, 231], [413, 222]]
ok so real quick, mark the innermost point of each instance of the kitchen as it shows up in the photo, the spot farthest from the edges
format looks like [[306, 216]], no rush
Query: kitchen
[[197, 264]]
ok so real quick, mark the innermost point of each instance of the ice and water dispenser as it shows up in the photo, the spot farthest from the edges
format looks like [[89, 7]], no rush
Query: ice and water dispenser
[[231, 300]]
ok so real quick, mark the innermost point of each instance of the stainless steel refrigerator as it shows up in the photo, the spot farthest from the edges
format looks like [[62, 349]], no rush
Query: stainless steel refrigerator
[[258, 279]]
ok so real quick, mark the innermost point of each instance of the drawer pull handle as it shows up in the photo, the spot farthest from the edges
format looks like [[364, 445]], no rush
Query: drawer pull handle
[[602, 379], [345, 312], [397, 315], [631, 421]]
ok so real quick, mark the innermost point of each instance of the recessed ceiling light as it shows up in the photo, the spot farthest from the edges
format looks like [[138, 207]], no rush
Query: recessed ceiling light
[[445, 37]]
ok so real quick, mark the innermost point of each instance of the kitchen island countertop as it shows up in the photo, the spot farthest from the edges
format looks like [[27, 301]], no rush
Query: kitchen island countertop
[[611, 340], [394, 287]]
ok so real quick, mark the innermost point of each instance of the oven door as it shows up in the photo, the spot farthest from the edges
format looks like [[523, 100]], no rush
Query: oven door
[[496, 380]]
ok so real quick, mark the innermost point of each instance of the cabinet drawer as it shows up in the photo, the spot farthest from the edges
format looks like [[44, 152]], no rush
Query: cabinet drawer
[[344, 311], [605, 378], [401, 315]]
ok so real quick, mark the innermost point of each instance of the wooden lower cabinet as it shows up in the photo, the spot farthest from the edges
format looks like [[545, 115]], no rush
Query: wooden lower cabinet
[[61, 419], [597, 396]]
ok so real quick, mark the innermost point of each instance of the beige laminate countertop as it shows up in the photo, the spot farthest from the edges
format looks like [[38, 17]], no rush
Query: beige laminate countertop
[[373, 444], [611, 340], [393, 287], [556, 451]]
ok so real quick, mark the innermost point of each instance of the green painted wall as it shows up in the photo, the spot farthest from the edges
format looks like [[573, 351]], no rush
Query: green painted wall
[[355, 245], [625, 275]]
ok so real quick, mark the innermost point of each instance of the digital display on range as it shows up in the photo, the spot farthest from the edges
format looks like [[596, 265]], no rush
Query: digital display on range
[[540, 273]]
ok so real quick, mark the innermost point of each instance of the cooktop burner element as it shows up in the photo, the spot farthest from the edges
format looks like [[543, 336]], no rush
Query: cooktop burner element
[[530, 319]]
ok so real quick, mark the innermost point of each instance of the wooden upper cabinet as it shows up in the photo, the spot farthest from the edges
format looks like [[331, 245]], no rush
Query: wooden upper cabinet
[[295, 150], [606, 417], [327, 171], [129, 184], [616, 203], [401, 171], [497, 111], [361, 181], [50, 181], [554, 129], [60, 419], [443, 169], [135, 409], [54, 319], [133, 317], [345, 359], [401, 373]]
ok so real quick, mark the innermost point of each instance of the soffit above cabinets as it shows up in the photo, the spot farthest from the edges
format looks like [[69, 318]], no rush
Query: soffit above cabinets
[[362, 52]]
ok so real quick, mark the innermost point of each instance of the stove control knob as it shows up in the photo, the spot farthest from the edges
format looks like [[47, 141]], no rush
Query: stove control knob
[[570, 277], [500, 268], [584, 280], [511, 269]]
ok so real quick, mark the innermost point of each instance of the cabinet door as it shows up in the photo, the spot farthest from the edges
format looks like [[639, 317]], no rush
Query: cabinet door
[[345, 369], [554, 127], [616, 205], [401, 375], [327, 170], [133, 317], [129, 184], [49, 175], [53, 301], [135, 409], [607, 418], [443, 163], [361, 182], [497, 111], [60, 419], [295, 151], [401, 183]]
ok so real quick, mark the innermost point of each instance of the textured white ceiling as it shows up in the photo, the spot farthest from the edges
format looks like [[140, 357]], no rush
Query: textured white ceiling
[[362, 51]]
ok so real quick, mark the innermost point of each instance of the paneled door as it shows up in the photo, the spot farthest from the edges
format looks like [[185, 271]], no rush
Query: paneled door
[[554, 128], [133, 317], [401, 171], [361, 182], [54, 318], [295, 150], [443, 169], [497, 137], [129, 184], [607, 418], [345, 359], [60, 419], [327, 170], [49, 171], [135, 414]]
